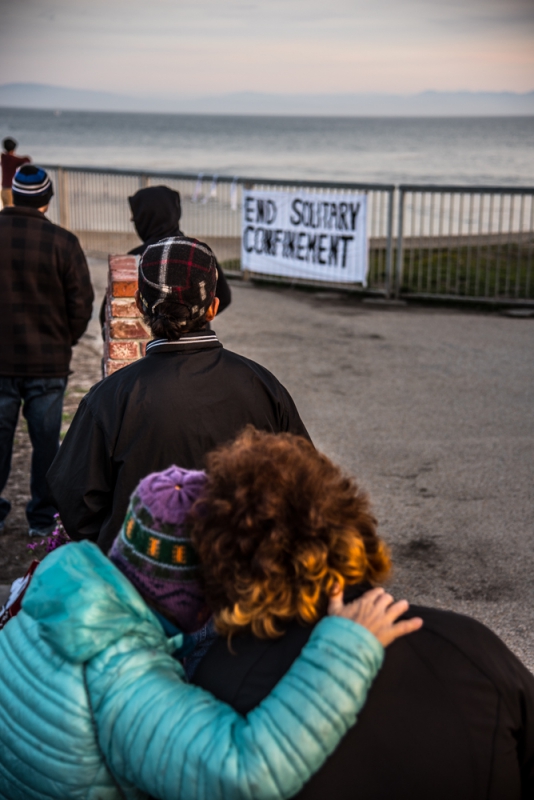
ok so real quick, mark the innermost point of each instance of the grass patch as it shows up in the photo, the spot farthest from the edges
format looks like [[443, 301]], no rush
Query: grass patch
[[500, 271], [484, 270]]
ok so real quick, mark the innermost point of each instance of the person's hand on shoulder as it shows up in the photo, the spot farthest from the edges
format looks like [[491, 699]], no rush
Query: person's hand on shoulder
[[377, 611]]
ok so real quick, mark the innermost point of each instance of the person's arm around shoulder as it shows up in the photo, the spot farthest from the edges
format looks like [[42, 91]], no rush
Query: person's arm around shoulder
[[78, 290], [178, 743]]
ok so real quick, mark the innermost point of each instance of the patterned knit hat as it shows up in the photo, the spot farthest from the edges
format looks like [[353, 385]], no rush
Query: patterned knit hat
[[32, 187], [180, 268], [154, 551]]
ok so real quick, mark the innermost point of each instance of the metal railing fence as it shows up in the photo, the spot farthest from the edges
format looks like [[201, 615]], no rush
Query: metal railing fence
[[472, 242], [460, 242]]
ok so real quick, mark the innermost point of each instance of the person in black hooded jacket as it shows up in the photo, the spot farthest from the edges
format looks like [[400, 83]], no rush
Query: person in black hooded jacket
[[156, 213]]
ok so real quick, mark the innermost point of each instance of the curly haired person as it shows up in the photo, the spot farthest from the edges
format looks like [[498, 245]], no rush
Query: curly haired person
[[93, 697], [451, 713], [277, 530]]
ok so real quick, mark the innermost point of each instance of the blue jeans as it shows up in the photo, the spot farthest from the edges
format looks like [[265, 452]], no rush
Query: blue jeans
[[42, 406]]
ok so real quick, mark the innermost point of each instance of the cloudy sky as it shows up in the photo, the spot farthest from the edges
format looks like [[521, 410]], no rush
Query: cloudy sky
[[194, 47]]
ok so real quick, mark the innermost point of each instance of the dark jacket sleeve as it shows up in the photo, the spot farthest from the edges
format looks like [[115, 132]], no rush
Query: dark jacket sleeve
[[223, 292], [525, 720], [516, 686], [291, 421], [81, 478], [79, 293]]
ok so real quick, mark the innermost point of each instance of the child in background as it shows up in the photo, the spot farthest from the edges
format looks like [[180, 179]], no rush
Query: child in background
[[10, 164], [154, 551]]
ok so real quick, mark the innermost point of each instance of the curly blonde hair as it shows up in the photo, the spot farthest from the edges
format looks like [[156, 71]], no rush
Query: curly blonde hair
[[277, 527]]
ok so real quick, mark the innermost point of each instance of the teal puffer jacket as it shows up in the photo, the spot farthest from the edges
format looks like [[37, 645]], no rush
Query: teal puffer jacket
[[93, 706]]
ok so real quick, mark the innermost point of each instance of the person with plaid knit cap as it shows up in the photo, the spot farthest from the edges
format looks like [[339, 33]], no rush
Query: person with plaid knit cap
[[46, 301], [185, 397]]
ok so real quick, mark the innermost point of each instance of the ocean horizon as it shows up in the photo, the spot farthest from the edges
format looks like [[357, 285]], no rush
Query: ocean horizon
[[444, 150]]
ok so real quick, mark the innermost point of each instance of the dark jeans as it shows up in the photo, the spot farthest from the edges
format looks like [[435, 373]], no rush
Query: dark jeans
[[42, 400]]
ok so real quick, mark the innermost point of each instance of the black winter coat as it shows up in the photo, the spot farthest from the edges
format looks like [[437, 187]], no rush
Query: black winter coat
[[449, 717], [171, 407], [156, 214]]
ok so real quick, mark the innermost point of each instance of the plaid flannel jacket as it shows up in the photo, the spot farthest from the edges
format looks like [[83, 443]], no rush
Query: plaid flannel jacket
[[46, 295]]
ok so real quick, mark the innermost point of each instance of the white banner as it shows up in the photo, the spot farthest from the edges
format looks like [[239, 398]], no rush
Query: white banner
[[304, 235]]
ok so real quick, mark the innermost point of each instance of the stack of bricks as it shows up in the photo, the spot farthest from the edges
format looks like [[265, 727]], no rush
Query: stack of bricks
[[126, 334]]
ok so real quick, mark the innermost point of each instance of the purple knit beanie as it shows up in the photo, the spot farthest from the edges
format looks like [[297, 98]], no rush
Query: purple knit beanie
[[154, 551]]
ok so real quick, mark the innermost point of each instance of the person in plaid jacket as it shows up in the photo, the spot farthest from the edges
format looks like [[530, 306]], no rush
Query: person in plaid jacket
[[46, 302]]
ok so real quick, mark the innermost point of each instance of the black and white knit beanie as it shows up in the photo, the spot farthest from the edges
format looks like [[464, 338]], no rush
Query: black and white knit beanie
[[31, 187]]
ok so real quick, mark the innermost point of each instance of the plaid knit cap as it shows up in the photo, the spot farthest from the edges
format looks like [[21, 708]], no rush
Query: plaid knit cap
[[31, 186], [180, 268], [154, 551]]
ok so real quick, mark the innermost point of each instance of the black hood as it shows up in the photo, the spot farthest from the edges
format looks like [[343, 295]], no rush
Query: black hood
[[156, 212]]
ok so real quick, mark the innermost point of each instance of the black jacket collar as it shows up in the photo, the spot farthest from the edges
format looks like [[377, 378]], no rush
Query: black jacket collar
[[199, 340]]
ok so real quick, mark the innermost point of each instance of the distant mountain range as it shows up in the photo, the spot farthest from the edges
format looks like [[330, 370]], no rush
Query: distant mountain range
[[430, 103]]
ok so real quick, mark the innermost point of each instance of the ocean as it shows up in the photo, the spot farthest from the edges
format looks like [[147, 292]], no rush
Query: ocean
[[483, 150]]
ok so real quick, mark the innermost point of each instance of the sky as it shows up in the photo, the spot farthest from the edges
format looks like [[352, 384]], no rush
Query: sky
[[209, 47]]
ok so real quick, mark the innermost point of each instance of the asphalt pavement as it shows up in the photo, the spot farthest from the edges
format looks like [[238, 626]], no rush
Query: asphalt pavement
[[433, 411]]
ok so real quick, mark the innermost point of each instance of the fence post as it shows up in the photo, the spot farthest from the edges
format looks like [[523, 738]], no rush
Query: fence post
[[144, 181], [245, 273], [398, 276], [389, 245], [63, 198]]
